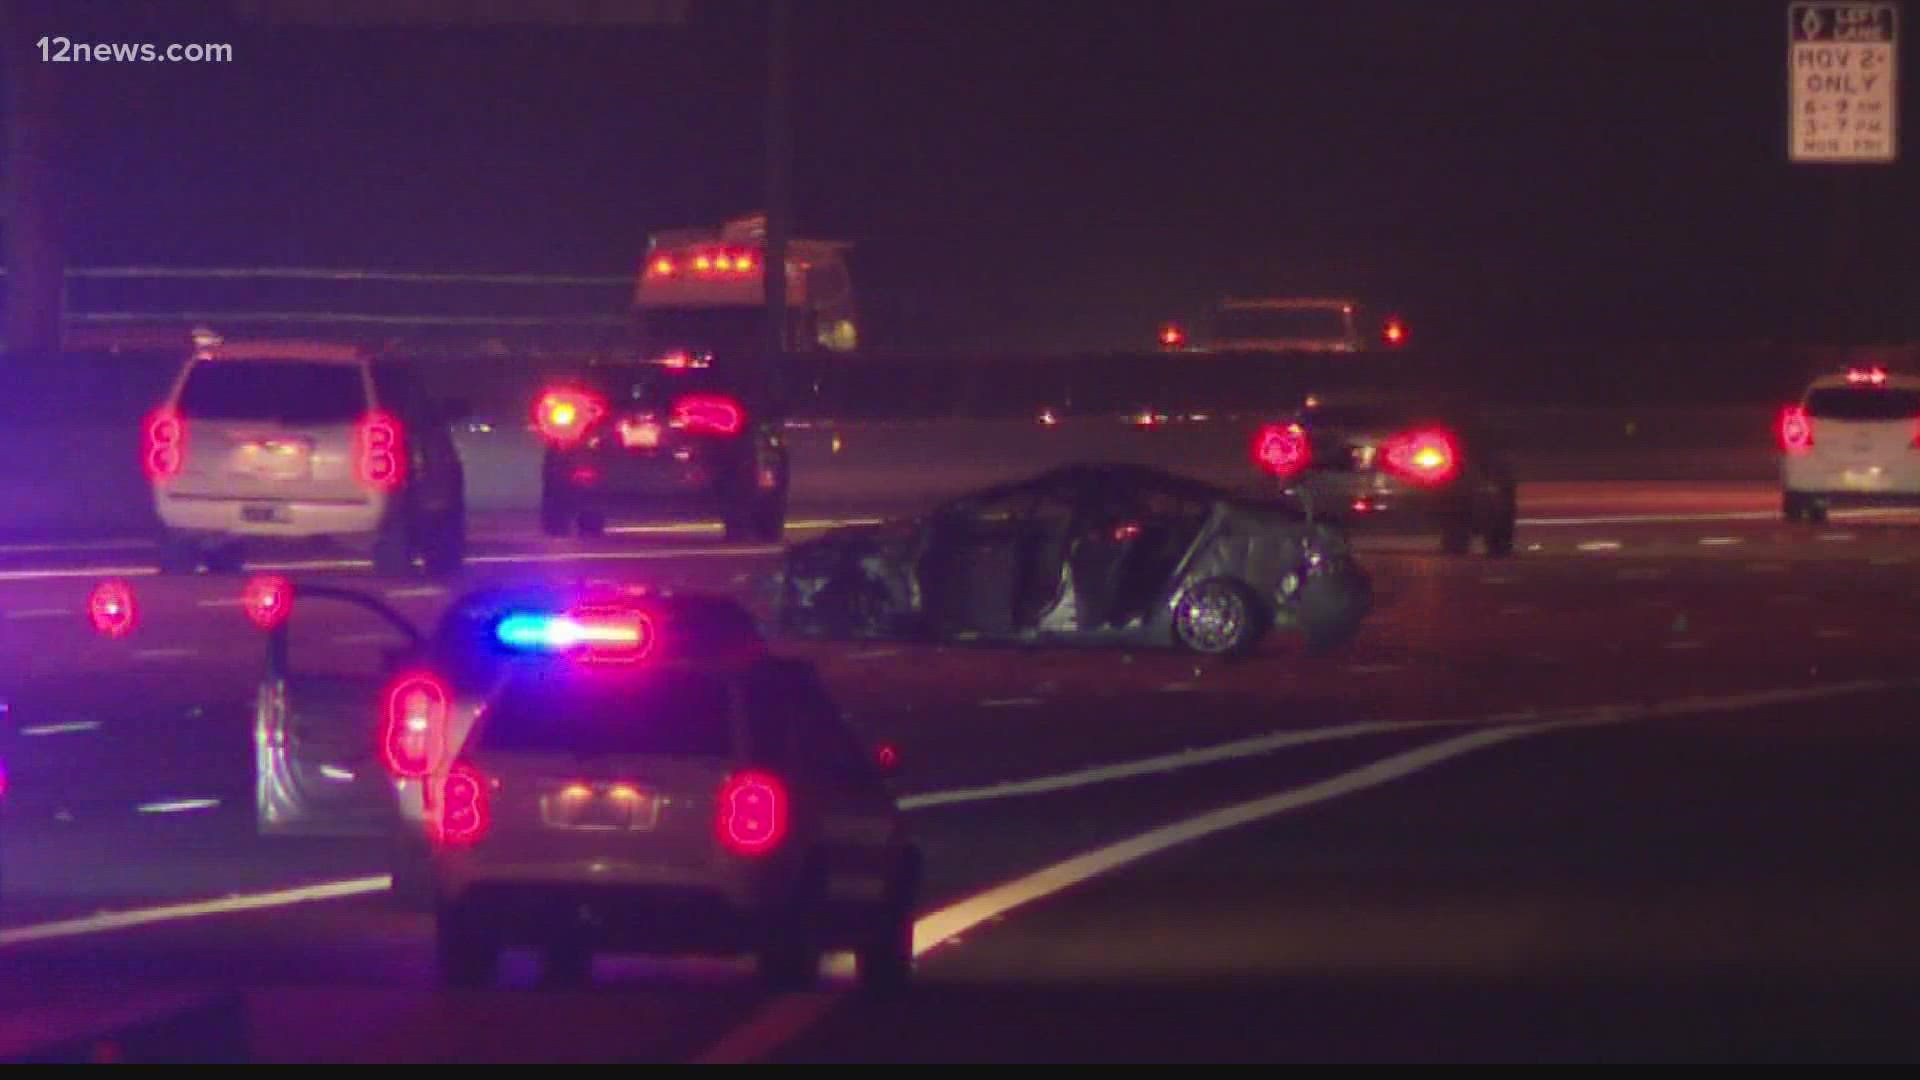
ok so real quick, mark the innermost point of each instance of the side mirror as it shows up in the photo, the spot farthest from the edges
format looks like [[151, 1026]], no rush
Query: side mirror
[[886, 757]]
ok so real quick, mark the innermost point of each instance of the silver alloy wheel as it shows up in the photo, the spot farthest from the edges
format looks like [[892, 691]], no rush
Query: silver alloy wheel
[[1212, 617]]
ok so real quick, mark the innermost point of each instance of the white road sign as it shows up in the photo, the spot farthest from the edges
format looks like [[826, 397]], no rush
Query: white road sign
[[1842, 82]]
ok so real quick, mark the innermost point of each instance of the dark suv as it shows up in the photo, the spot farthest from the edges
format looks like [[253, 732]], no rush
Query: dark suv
[[661, 440]]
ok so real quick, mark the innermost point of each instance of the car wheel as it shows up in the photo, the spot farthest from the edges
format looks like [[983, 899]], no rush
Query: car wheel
[[1793, 507], [770, 521], [226, 559], [592, 524], [177, 555], [1217, 617], [467, 953], [1817, 512], [446, 548], [884, 963], [1456, 536], [556, 519]]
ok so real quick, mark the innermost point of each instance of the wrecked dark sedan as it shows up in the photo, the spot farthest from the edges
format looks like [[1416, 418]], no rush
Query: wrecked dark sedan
[[1093, 554]]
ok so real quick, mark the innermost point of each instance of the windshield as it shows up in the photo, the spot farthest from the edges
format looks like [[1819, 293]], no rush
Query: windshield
[[1281, 324], [1858, 404], [284, 390], [584, 714]]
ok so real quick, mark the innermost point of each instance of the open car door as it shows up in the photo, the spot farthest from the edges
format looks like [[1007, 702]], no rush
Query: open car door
[[317, 720]]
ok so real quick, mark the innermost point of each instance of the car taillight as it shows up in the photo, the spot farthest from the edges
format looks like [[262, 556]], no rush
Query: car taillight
[[707, 414], [163, 445], [458, 814], [111, 609], [415, 731], [1796, 430], [565, 415], [267, 600], [751, 816], [383, 457], [1424, 457], [1282, 449]]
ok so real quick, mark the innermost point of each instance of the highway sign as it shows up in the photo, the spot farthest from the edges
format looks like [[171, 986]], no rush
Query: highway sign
[[1842, 83]]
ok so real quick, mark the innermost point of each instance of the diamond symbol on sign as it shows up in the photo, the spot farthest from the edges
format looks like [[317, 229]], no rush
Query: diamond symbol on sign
[[1810, 22]]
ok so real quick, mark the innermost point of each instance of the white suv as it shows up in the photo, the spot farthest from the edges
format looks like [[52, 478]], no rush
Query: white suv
[[272, 441], [1852, 440]]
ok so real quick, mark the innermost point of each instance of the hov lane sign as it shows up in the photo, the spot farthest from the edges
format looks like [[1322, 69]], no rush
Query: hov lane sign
[[1842, 83]]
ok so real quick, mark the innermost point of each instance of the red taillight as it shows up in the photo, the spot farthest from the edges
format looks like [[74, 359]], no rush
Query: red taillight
[[383, 456], [268, 600], [1282, 449], [1424, 457], [565, 415], [661, 267], [110, 608], [457, 811], [1394, 333], [1867, 376], [1796, 430], [751, 818], [163, 445], [414, 734], [1172, 337], [711, 414]]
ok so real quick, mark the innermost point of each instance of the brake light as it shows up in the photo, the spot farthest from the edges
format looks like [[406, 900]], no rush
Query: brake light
[[660, 267], [1796, 430], [1867, 376], [163, 445], [712, 414], [1172, 336], [111, 610], [414, 733], [459, 815], [383, 459], [751, 818], [1425, 457], [1282, 449], [268, 601], [564, 416], [1394, 333]]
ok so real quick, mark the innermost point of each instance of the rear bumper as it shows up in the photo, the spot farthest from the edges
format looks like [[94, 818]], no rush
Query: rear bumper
[[656, 919], [1847, 498], [1373, 503], [293, 519]]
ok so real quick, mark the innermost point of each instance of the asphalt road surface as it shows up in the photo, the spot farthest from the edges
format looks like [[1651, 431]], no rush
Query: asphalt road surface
[[1638, 793]]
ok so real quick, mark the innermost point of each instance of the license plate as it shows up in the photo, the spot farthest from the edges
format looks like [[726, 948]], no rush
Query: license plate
[[628, 810], [644, 435], [263, 515]]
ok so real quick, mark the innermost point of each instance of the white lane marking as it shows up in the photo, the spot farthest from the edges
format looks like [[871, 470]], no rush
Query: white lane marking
[[1177, 687], [81, 572], [1790, 598], [1372, 669], [1766, 568], [76, 545], [164, 654], [1499, 579], [1889, 560], [416, 592], [1641, 574], [1719, 541], [1678, 646], [177, 806], [874, 654], [1012, 702], [1646, 519], [335, 772], [1836, 538], [742, 552], [41, 613], [677, 528], [108, 921], [1516, 609], [68, 728], [1833, 633], [1598, 545], [789, 1015], [219, 602]]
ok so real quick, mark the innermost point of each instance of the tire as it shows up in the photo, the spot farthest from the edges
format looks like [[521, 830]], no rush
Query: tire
[[393, 547], [1218, 617], [555, 519], [884, 964], [445, 550], [1793, 507], [1456, 536], [789, 960], [1817, 513], [759, 522], [177, 555], [229, 558], [412, 873], [467, 953]]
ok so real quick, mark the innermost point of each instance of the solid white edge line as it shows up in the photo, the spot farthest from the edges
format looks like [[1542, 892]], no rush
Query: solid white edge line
[[197, 909], [177, 806], [67, 728], [42, 613]]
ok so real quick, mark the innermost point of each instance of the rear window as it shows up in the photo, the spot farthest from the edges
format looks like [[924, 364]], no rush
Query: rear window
[[1304, 323], [291, 392], [674, 714], [652, 386], [1838, 403]]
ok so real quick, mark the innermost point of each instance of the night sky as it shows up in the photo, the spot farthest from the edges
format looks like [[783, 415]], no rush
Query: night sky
[[1039, 174]]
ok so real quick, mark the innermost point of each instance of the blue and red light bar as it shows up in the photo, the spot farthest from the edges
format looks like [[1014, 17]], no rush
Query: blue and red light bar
[[610, 633]]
